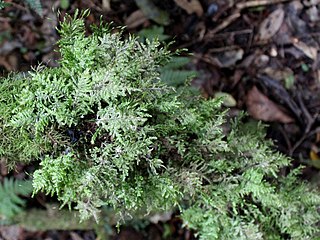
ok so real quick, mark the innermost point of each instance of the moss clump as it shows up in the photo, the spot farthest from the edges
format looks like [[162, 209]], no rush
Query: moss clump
[[108, 132]]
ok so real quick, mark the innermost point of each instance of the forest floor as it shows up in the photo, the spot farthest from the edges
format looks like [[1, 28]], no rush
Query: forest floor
[[263, 55]]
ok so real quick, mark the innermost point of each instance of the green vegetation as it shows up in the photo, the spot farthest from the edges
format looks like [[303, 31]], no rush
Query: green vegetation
[[10, 201], [108, 132], [3, 4], [35, 5]]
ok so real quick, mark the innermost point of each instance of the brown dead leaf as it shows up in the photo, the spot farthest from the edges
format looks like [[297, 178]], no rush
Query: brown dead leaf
[[271, 25], [10, 62], [135, 19], [75, 236], [3, 168], [191, 6], [262, 108], [317, 76], [13, 232], [309, 51]]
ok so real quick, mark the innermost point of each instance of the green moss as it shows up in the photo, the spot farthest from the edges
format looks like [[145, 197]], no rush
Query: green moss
[[108, 132]]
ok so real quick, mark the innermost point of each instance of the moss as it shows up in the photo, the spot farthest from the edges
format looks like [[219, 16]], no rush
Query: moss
[[119, 137]]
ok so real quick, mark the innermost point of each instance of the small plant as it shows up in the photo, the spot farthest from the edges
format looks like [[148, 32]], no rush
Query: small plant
[[3, 4], [10, 201], [35, 5], [108, 132]]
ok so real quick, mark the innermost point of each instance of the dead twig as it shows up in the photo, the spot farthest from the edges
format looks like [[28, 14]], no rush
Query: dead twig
[[236, 14], [223, 49], [304, 137], [226, 22], [256, 3], [309, 122], [224, 35], [286, 138], [309, 119]]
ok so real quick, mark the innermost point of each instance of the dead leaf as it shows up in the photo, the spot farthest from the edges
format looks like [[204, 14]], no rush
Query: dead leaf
[[106, 5], [3, 168], [313, 14], [295, 23], [135, 19], [75, 236], [13, 232], [283, 35], [9, 46], [191, 6], [271, 25], [294, 52], [314, 156], [309, 51], [278, 74], [261, 61], [309, 3], [10, 63], [262, 108], [228, 99], [228, 58], [160, 217], [284, 75], [317, 76], [151, 11]]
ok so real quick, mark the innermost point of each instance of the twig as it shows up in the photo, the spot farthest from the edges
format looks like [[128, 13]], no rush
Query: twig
[[304, 137], [256, 3], [286, 138], [309, 119], [233, 33], [236, 14], [226, 22], [223, 49]]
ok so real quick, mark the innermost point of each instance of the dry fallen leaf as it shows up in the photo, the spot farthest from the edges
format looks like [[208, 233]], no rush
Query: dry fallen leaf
[[278, 74], [151, 11], [106, 5], [228, 58], [284, 75], [309, 51], [135, 19], [191, 6], [270, 26], [160, 217], [262, 108], [313, 14], [309, 3], [13, 232], [75, 236], [10, 62], [316, 75], [8, 46], [314, 156]]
